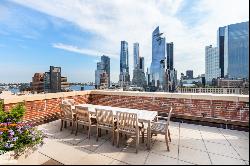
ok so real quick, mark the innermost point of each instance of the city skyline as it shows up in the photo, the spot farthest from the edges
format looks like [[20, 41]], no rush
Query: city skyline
[[64, 37]]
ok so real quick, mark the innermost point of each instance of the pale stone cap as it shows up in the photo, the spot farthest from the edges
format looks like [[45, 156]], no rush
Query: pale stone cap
[[202, 96]]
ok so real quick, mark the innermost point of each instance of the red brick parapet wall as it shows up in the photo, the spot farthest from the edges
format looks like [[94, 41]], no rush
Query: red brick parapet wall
[[231, 109]]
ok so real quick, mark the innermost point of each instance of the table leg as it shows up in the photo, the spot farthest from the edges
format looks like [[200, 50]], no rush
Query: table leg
[[65, 124], [149, 136]]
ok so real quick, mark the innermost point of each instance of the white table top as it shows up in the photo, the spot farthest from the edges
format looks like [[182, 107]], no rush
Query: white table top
[[143, 115]]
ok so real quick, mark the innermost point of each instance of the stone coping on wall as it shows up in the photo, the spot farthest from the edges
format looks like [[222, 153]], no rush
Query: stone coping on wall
[[34, 97], [199, 96]]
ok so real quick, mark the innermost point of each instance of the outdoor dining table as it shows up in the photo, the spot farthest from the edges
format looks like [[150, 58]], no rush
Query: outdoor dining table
[[144, 116]]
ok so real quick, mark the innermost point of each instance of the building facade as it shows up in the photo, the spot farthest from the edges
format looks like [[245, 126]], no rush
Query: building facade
[[37, 84], [233, 50], [212, 64], [49, 82], [170, 56], [55, 79], [124, 77], [64, 84], [236, 51], [136, 54], [139, 79], [189, 74], [103, 70], [157, 68], [220, 45], [171, 73]]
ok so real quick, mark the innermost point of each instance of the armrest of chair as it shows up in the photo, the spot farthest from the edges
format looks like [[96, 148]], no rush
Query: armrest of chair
[[162, 117], [164, 123], [92, 116]]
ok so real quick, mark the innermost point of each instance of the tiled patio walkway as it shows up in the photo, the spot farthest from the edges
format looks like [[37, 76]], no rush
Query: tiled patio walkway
[[191, 144]]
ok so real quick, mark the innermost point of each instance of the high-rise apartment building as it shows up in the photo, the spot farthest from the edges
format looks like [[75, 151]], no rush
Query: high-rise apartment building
[[55, 79], [158, 59], [124, 77], [49, 82], [212, 64], [236, 51], [103, 70]]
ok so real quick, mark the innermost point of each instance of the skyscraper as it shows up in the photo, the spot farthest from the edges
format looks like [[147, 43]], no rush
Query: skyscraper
[[124, 77], [220, 45], [141, 64], [136, 54], [99, 70], [158, 58], [171, 73], [212, 64], [139, 78], [236, 51], [103, 70], [106, 66], [170, 56]]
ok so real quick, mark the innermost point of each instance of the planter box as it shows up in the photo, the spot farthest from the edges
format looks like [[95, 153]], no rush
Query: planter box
[[11, 157]]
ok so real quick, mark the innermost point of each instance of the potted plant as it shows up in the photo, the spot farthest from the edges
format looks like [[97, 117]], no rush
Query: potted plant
[[17, 138]]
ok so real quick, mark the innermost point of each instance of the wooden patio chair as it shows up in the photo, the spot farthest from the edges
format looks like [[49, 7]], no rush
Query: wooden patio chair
[[160, 127], [68, 101], [85, 118], [67, 115], [105, 120], [127, 123]]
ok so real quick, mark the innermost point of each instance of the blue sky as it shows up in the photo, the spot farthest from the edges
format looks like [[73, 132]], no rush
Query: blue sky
[[74, 34]]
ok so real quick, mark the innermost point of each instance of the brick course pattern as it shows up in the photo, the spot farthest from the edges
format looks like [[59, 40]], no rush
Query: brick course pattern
[[218, 111], [214, 109], [40, 111]]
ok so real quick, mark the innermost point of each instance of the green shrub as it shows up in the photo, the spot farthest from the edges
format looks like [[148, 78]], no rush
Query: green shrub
[[14, 115]]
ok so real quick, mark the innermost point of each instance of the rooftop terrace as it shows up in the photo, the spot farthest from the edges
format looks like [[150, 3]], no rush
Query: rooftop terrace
[[191, 143]]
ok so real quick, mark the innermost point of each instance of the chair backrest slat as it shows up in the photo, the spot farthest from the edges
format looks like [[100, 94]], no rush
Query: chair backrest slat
[[66, 110], [104, 117], [127, 121], [82, 113]]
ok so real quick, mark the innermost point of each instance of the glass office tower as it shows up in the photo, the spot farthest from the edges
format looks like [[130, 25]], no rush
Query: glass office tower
[[124, 77], [236, 51], [136, 55], [106, 66], [158, 59], [220, 45], [170, 56]]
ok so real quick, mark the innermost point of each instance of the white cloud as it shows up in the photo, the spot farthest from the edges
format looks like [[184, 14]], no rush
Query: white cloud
[[83, 51], [134, 21]]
